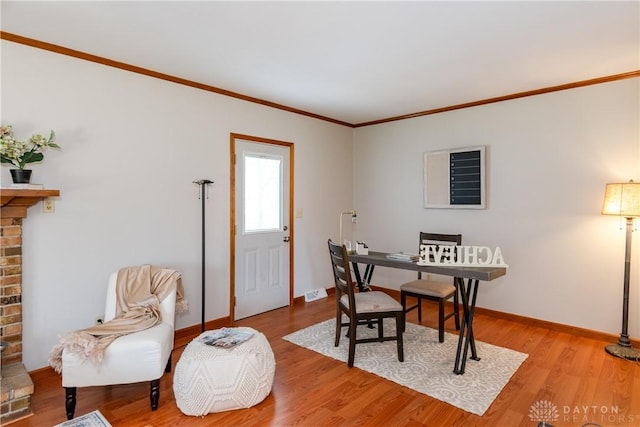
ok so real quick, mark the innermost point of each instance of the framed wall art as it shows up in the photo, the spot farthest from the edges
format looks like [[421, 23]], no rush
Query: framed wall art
[[455, 178]]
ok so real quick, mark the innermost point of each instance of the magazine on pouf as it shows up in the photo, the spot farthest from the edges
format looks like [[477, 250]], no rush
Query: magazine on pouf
[[225, 337]]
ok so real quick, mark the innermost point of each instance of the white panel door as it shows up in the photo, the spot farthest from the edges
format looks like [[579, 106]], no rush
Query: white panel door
[[262, 227]]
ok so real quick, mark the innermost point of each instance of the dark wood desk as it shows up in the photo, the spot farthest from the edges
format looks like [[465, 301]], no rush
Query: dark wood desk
[[468, 294]]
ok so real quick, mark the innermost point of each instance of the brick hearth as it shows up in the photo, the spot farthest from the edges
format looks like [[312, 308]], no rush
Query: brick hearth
[[16, 386]]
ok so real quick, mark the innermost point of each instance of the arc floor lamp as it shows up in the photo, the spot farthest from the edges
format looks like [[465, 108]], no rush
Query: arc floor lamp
[[623, 199]]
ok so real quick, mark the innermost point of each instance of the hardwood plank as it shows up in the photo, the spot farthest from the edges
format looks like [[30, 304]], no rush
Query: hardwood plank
[[573, 372]]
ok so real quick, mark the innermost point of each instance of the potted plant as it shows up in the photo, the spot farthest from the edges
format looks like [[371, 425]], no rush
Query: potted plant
[[20, 153]]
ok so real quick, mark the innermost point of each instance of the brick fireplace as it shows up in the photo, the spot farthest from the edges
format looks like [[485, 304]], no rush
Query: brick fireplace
[[16, 386]]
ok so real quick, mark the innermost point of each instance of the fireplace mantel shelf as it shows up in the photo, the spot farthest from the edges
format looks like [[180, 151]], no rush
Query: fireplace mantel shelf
[[16, 201]]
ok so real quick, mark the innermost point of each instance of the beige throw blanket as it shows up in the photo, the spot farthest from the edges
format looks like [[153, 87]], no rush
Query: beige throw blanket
[[139, 291]]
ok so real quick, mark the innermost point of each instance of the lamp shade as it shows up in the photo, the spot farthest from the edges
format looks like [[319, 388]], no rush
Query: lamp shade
[[622, 199]]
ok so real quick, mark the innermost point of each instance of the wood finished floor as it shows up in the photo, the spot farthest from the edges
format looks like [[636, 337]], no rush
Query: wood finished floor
[[573, 373]]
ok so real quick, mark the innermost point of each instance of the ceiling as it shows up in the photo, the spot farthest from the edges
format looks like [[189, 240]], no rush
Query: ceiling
[[353, 62]]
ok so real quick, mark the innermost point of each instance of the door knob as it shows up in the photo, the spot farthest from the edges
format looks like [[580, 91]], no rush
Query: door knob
[[286, 239]]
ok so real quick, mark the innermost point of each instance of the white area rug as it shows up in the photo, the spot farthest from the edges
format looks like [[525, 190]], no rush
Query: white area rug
[[427, 366], [92, 419]]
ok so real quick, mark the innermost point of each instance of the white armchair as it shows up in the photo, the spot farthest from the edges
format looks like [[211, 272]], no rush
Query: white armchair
[[136, 357]]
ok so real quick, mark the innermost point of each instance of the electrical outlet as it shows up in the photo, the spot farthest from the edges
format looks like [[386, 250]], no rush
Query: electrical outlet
[[48, 205], [99, 320]]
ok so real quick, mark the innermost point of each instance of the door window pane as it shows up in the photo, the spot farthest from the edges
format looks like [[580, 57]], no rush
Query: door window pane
[[262, 195]]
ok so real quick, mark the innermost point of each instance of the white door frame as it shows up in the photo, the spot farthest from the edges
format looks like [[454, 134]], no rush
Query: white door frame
[[232, 216]]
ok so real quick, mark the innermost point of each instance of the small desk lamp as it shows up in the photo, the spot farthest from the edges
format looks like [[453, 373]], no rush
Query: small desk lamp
[[623, 199], [354, 218]]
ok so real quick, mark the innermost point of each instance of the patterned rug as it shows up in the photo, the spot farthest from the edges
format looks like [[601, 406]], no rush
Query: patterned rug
[[427, 366]]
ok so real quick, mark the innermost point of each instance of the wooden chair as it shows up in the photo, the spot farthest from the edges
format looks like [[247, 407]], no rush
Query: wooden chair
[[362, 308], [432, 290]]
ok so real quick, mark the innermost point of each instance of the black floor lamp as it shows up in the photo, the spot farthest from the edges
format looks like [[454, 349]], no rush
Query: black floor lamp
[[203, 186], [623, 199]]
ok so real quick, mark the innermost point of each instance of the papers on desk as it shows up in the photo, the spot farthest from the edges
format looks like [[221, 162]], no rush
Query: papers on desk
[[401, 256]]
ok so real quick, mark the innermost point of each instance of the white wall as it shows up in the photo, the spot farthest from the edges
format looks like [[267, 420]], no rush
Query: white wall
[[548, 160], [131, 147]]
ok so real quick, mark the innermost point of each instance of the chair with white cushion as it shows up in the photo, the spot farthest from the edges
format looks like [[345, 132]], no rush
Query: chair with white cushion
[[132, 358], [434, 290], [362, 308]]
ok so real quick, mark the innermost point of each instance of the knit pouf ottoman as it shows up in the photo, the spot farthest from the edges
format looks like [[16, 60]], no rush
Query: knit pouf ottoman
[[210, 379]]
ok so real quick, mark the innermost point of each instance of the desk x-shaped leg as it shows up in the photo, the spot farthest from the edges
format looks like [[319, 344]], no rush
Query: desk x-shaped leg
[[363, 281], [468, 297]]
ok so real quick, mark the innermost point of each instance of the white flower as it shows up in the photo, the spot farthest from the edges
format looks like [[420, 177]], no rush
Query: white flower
[[20, 153]]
